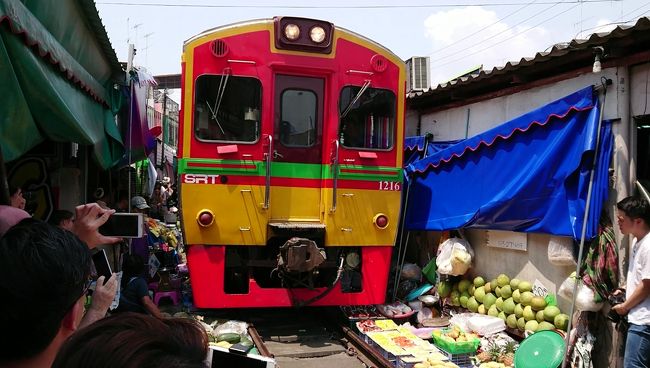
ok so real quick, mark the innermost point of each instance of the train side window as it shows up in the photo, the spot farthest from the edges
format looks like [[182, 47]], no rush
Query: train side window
[[227, 108], [368, 122], [298, 118]]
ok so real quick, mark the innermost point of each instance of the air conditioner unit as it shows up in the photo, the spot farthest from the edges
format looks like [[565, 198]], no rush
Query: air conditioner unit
[[418, 74]]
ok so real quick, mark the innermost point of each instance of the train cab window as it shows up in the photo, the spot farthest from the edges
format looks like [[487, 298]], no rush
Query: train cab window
[[298, 118], [227, 108], [367, 118]]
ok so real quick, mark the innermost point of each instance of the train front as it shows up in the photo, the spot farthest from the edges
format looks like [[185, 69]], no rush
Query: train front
[[290, 159]]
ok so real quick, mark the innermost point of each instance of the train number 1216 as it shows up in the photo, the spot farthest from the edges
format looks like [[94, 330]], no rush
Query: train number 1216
[[390, 185]]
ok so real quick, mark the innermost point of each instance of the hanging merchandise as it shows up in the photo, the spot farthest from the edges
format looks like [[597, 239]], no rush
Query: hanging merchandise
[[454, 257], [601, 263], [560, 251]]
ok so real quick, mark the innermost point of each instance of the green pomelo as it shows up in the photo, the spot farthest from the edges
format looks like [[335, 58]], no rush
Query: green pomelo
[[471, 289], [479, 281], [531, 326], [502, 316], [525, 286], [528, 314], [503, 280], [508, 306], [497, 291], [479, 293], [489, 300], [511, 321], [539, 316], [463, 301], [538, 303], [550, 312], [506, 292], [526, 297], [545, 326], [561, 321], [444, 289], [488, 287], [514, 284], [463, 285], [516, 295], [472, 304], [493, 311], [499, 303], [519, 311], [481, 309], [521, 323]]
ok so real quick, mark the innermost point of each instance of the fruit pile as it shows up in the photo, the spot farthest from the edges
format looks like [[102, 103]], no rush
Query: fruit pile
[[455, 334], [511, 300], [496, 356]]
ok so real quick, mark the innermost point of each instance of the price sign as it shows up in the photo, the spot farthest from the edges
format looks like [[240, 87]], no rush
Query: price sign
[[539, 289]]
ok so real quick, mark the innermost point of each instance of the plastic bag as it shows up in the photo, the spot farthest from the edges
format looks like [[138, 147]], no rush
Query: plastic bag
[[584, 297], [236, 327], [486, 325], [560, 251], [454, 257]]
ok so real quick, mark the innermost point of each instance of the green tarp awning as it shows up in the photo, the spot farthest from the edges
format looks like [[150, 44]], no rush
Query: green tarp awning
[[46, 94]]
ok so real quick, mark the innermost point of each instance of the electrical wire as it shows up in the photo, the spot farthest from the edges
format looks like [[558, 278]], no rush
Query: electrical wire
[[500, 33], [509, 38], [617, 20], [484, 28], [445, 5]]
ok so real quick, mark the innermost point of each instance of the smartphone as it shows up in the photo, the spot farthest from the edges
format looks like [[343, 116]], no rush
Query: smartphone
[[221, 357], [123, 225], [101, 265]]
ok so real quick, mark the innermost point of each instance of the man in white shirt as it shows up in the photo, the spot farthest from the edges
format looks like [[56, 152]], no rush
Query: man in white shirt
[[634, 218]]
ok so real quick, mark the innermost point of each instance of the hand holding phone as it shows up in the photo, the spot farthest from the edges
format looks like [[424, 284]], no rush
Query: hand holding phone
[[123, 225], [102, 265]]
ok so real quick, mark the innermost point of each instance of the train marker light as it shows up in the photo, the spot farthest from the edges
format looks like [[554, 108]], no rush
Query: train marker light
[[317, 34], [205, 218], [291, 31], [381, 221]]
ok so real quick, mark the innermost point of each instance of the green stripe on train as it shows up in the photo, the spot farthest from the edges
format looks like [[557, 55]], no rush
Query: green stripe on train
[[287, 170]]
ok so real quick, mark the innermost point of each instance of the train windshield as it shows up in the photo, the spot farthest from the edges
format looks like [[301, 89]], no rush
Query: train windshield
[[367, 118], [227, 108]]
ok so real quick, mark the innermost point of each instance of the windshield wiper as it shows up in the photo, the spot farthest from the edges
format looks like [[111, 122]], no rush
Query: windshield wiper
[[365, 86]]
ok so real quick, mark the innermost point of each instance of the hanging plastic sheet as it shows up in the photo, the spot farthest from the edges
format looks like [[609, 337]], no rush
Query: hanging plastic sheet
[[530, 174]]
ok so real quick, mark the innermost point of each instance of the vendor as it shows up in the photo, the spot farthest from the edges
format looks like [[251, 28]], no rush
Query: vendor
[[134, 294]]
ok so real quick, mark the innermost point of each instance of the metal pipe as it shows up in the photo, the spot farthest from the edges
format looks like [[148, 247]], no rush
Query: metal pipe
[[584, 224], [335, 174], [267, 189]]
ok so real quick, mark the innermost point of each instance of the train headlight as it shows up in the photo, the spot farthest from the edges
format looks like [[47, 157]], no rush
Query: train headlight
[[205, 218], [317, 34], [291, 32], [381, 221]]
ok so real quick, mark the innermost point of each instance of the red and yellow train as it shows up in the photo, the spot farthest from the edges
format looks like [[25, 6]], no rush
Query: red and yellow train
[[290, 159]]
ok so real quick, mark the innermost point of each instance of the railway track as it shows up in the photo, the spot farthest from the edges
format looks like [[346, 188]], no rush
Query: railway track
[[308, 337]]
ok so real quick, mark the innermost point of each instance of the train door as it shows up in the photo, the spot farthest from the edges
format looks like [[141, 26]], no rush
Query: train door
[[297, 149]]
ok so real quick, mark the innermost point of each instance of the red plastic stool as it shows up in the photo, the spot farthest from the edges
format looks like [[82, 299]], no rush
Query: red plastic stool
[[172, 294]]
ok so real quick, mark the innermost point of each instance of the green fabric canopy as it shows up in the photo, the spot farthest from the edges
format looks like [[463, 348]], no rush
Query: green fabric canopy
[[45, 93]]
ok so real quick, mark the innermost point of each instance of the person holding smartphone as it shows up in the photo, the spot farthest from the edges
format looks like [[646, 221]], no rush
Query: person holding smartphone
[[634, 218]]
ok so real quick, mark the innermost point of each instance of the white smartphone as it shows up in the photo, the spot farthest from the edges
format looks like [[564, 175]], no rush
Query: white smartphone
[[102, 265], [123, 225], [221, 357]]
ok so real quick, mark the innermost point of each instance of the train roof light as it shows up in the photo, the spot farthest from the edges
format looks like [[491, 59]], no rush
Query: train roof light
[[317, 34], [291, 32]]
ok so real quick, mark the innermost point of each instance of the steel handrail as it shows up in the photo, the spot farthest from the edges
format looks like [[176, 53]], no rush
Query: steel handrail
[[267, 190], [335, 174]]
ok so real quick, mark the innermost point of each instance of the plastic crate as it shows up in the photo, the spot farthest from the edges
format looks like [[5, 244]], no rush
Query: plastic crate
[[461, 360], [462, 347]]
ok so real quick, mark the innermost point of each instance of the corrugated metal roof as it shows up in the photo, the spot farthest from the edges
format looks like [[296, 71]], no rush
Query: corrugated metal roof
[[557, 51]]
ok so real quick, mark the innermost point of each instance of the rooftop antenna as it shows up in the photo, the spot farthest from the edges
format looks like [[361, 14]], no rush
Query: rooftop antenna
[[146, 47], [135, 27]]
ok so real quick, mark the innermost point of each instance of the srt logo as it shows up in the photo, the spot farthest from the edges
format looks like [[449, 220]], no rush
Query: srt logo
[[200, 179]]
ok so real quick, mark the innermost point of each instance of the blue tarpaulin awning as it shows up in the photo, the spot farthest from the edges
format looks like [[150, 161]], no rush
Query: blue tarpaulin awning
[[529, 174]]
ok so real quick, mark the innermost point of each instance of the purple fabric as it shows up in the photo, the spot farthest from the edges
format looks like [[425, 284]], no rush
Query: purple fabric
[[10, 216]]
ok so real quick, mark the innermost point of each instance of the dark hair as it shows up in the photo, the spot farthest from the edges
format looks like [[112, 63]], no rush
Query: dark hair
[[134, 340], [58, 216], [132, 266], [635, 208], [43, 272]]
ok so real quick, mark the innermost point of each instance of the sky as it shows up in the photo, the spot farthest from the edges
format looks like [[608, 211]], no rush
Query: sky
[[457, 35]]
